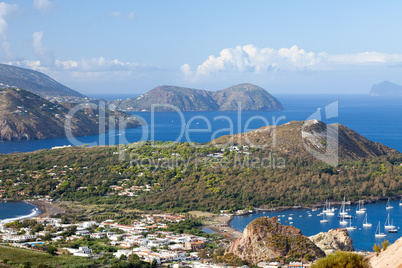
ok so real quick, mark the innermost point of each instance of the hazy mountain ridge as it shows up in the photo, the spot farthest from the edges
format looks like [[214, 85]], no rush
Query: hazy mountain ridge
[[386, 88], [24, 115], [251, 97], [34, 81]]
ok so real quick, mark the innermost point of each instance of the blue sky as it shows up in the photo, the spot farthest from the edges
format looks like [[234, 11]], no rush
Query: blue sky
[[132, 46]]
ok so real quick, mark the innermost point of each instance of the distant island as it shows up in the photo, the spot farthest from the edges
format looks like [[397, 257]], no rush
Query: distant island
[[252, 98], [386, 88]]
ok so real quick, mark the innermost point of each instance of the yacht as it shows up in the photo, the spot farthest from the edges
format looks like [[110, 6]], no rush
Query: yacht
[[378, 231], [324, 220], [389, 224], [389, 205], [393, 230], [342, 221], [366, 223], [350, 227], [400, 202], [360, 208], [342, 210]]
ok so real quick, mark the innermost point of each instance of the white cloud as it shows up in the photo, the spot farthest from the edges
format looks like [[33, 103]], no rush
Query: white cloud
[[121, 15], [84, 66], [6, 10], [44, 54], [243, 59], [43, 6]]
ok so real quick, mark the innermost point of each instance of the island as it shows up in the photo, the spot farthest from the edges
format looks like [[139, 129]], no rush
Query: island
[[250, 97]]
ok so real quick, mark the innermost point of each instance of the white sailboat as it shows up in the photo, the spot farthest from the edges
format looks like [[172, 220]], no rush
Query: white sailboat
[[342, 211], [329, 211], [324, 220], [350, 227], [400, 202], [389, 205], [366, 223], [378, 231], [342, 221], [389, 224], [360, 209]]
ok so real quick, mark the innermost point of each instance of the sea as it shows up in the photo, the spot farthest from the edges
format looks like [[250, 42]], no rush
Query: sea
[[363, 237], [377, 118], [11, 211]]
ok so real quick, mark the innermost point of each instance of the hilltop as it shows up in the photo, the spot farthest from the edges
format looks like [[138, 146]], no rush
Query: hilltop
[[386, 88], [35, 82], [25, 115], [252, 97], [299, 138]]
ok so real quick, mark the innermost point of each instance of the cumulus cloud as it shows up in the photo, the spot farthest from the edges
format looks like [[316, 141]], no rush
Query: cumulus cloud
[[44, 54], [43, 6], [6, 10], [121, 15], [99, 65], [249, 58]]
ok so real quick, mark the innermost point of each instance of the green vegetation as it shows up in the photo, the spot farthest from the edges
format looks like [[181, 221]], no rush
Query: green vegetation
[[341, 260], [378, 248], [17, 257], [190, 181]]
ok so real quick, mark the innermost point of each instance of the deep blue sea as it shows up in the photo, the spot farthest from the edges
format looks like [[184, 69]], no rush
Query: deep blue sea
[[377, 118], [16, 210], [363, 237]]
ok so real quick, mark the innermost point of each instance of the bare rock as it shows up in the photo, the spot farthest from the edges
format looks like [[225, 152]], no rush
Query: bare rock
[[333, 240]]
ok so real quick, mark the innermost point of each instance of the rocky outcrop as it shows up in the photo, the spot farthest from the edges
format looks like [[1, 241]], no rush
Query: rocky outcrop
[[333, 240], [391, 257], [265, 239]]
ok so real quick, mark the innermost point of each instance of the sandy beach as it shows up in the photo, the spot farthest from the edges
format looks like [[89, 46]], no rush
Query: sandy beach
[[47, 209], [220, 224]]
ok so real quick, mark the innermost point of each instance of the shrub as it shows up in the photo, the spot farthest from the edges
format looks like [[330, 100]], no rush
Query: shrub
[[342, 259]]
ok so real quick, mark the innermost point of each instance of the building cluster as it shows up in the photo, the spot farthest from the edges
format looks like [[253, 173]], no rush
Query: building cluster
[[146, 237]]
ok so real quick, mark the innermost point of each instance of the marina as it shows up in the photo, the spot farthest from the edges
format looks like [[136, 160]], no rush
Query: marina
[[360, 226]]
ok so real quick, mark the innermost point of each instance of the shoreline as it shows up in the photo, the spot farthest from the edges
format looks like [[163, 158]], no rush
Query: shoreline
[[47, 208], [42, 209], [34, 213], [229, 229]]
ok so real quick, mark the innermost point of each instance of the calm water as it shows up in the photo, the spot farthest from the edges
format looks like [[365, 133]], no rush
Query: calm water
[[363, 238], [16, 210], [377, 118]]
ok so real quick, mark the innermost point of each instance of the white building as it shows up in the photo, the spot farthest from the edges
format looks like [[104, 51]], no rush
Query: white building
[[81, 251]]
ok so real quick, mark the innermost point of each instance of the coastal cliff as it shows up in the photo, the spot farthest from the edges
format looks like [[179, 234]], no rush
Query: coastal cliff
[[333, 240], [265, 239], [27, 116], [391, 257]]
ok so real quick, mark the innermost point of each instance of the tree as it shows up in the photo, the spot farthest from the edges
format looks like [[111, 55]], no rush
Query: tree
[[51, 250]]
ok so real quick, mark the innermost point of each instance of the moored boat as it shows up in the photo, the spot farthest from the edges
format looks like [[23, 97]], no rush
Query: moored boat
[[378, 233]]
